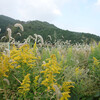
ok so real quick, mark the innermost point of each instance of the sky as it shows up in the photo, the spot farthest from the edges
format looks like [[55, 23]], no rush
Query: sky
[[73, 15]]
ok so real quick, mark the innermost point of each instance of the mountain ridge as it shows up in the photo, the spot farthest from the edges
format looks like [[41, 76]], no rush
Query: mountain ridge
[[44, 28]]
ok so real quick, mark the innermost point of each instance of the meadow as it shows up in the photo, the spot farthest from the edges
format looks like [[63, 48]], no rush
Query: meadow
[[35, 70]]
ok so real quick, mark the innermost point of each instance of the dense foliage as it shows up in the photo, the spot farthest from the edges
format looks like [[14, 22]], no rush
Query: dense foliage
[[59, 72], [44, 29], [58, 67]]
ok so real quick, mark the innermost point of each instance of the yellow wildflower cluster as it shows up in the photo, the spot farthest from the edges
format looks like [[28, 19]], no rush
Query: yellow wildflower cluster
[[77, 71], [51, 68], [5, 65], [23, 56], [36, 79], [96, 62], [25, 85], [66, 88], [96, 65]]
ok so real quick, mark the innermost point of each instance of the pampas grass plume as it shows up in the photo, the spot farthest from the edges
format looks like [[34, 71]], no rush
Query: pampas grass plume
[[19, 34], [41, 39], [9, 32], [20, 26], [3, 37]]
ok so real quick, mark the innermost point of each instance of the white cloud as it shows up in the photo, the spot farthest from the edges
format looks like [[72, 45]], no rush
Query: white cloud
[[57, 12], [32, 9], [97, 3]]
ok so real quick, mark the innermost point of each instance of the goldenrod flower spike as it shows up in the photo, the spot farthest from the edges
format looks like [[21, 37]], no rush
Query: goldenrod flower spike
[[96, 62], [52, 68], [25, 85], [66, 88], [5, 65]]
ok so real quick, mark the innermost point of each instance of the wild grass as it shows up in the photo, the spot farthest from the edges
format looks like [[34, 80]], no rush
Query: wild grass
[[61, 71]]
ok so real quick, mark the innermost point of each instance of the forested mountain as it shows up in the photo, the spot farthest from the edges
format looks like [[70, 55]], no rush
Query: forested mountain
[[44, 29]]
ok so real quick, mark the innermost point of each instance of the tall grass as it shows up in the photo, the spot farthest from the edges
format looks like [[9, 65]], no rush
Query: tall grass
[[61, 71]]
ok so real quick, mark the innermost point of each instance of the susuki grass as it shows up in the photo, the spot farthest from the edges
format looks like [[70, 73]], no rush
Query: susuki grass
[[49, 72]]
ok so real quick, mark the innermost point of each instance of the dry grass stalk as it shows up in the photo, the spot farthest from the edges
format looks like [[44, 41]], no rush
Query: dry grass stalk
[[7, 81]]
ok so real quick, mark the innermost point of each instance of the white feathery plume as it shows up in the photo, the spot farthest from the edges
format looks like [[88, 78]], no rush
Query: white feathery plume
[[18, 41], [9, 32], [39, 40], [3, 37], [25, 41], [31, 37], [13, 41], [0, 29], [7, 51], [10, 39], [20, 26], [50, 37], [35, 37], [58, 92], [40, 37], [44, 62], [62, 36], [19, 34]]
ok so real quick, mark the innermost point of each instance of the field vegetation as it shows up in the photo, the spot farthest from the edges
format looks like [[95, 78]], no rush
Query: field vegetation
[[38, 70]]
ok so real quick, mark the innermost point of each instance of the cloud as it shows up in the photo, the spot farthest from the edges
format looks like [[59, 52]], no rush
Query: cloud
[[42, 9], [97, 3], [57, 12], [32, 9]]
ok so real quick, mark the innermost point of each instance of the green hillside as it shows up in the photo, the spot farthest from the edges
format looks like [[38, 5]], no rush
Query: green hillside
[[44, 29]]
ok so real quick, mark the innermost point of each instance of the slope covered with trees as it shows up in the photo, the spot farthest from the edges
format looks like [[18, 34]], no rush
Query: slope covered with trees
[[44, 29]]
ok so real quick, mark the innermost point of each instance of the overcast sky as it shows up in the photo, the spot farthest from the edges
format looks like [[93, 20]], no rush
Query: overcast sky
[[74, 15]]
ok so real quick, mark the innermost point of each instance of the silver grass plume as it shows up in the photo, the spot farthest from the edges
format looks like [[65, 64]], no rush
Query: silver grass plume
[[57, 91], [3, 37], [7, 81], [20, 26], [35, 37], [12, 41], [44, 62], [19, 34], [41, 39], [62, 36], [7, 52], [9, 32], [50, 37], [29, 39], [25, 41], [0, 29]]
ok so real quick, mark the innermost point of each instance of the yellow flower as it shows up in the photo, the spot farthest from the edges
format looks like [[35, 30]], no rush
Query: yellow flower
[[18, 66], [96, 62], [36, 79], [35, 45], [66, 88], [77, 71], [24, 56], [5, 65], [65, 96], [51, 69], [25, 85]]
